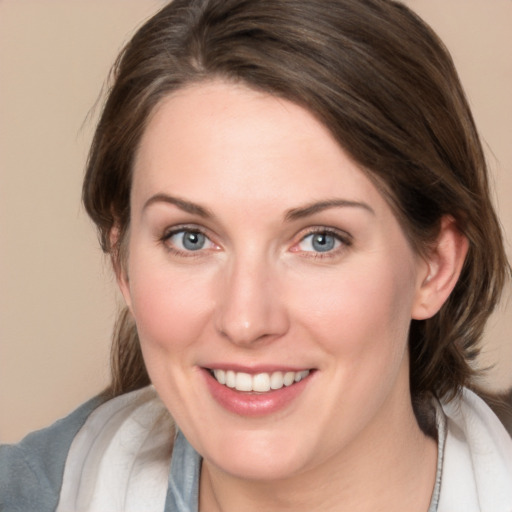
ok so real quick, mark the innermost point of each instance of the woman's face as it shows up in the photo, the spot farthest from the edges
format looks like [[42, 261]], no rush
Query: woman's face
[[259, 252]]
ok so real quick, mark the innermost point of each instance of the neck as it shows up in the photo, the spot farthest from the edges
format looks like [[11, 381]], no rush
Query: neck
[[390, 466]]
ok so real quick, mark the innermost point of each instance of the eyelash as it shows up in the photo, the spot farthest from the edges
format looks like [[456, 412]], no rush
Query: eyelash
[[165, 240], [344, 239]]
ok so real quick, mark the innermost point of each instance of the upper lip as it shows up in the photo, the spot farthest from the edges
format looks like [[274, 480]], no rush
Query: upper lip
[[255, 369]]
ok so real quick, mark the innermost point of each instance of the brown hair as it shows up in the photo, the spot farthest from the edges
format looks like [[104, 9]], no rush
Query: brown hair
[[381, 81]]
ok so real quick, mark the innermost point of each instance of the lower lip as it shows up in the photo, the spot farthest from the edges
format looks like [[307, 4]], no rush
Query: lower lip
[[251, 403]]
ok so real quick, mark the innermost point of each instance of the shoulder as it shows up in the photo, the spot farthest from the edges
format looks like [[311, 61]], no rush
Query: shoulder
[[477, 462], [31, 471]]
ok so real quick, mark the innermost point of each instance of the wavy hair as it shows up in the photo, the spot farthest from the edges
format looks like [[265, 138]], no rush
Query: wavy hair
[[385, 86]]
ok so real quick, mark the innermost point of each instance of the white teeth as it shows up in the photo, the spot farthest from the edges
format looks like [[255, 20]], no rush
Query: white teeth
[[289, 378], [243, 382], [220, 375], [301, 375], [230, 379], [261, 382], [276, 380]]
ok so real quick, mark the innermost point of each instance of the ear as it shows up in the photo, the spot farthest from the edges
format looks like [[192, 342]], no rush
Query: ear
[[119, 259], [443, 267]]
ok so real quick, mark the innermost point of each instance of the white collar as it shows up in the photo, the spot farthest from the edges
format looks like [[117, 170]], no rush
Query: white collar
[[477, 462], [119, 460]]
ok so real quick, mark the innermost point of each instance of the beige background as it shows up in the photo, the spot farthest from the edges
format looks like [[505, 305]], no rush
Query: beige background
[[57, 296]]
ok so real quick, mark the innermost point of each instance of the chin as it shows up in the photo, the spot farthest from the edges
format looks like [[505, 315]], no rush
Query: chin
[[259, 457]]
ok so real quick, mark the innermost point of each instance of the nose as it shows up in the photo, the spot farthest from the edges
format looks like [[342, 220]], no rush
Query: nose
[[250, 309]]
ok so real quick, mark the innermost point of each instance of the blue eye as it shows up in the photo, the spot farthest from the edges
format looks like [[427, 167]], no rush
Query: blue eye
[[319, 242], [188, 240]]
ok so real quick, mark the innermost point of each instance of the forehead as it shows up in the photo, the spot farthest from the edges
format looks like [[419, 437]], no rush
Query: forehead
[[228, 141]]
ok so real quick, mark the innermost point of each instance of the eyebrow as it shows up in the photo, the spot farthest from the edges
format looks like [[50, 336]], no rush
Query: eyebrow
[[291, 215], [319, 206], [182, 204]]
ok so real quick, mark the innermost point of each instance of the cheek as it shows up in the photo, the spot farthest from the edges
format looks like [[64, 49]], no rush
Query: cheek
[[362, 313], [170, 308]]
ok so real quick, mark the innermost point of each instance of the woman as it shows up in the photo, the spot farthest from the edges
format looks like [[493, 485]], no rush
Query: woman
[[295, 201]]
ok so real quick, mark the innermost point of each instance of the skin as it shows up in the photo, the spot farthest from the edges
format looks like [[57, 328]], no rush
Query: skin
[[259, 293]]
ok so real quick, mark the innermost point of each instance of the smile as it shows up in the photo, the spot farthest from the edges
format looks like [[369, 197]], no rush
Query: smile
[[260, 383]]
